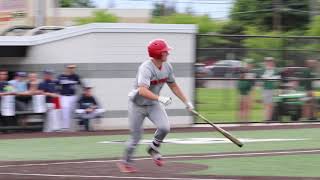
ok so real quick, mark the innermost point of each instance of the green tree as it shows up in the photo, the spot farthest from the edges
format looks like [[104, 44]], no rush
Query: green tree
[[223, 42], [313, 30], [267, 46], [232, 28], [205, 24], [160, 9], [98, 16], [314, 27], [293, 13], [76, 3]]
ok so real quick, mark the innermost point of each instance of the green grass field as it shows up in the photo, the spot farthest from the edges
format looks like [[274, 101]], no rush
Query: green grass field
[[71, 148], [221, 105]]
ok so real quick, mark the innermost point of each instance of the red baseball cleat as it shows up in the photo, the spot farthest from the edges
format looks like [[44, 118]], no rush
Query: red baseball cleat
[[156, 157], [126, 168], [159, 161]]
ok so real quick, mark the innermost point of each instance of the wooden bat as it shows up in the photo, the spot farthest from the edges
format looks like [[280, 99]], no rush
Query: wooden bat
[[222, 131]]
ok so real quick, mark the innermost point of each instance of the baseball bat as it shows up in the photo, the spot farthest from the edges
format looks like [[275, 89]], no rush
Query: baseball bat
[[222, 131]]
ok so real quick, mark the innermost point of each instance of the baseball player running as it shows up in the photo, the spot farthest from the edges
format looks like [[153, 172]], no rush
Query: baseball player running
[[145, 101]]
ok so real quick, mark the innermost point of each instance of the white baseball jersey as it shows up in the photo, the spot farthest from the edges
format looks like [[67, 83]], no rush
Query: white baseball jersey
[[151, 76]]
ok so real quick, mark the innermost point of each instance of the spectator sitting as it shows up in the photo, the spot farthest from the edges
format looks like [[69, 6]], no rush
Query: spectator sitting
[[88, 108]]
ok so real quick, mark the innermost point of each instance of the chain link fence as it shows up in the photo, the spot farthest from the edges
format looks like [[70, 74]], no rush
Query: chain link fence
[[219, 59]]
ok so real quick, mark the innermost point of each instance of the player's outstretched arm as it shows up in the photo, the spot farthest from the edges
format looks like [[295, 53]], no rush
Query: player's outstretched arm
[[178, 92]]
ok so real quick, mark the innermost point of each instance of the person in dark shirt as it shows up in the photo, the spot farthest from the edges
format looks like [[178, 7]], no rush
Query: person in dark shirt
[[68, 81], [49, 86], [5, 89], [4, 85], [88, 108], [245, 87], [67, 84]]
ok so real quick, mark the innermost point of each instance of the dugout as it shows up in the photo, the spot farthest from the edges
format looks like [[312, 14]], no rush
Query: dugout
[[107, 56]]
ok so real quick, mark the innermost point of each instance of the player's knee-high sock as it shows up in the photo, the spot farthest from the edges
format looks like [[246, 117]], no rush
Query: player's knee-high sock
[[155, 144], [160, 134]]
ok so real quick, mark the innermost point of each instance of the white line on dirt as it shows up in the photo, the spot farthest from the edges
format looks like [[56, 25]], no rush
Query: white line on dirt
[[171, 157], [115, 177]]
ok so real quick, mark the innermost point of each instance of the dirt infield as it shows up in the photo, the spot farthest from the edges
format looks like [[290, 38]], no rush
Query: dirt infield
[[174, 169], [106, 168]]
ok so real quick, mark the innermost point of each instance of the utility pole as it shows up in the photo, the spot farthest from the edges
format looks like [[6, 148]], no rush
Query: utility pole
[[111, 4], [40, 12], [277, 7], [189, 9], [164, 8], [277, 25], [56, 8]]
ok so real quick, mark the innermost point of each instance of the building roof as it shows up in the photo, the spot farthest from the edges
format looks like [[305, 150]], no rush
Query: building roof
[[96, 28]]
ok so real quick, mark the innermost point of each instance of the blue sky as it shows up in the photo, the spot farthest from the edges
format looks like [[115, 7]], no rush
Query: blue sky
[[218, 9]]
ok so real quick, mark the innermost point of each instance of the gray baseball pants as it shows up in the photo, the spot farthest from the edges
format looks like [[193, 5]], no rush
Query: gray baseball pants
[[156, 113]]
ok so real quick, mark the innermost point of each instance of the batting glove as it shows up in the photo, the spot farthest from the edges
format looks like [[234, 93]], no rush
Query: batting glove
[[165, 100], [189, 106]]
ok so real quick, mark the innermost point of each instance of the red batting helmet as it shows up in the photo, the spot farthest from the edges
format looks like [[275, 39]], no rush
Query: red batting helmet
[[156, 47]]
